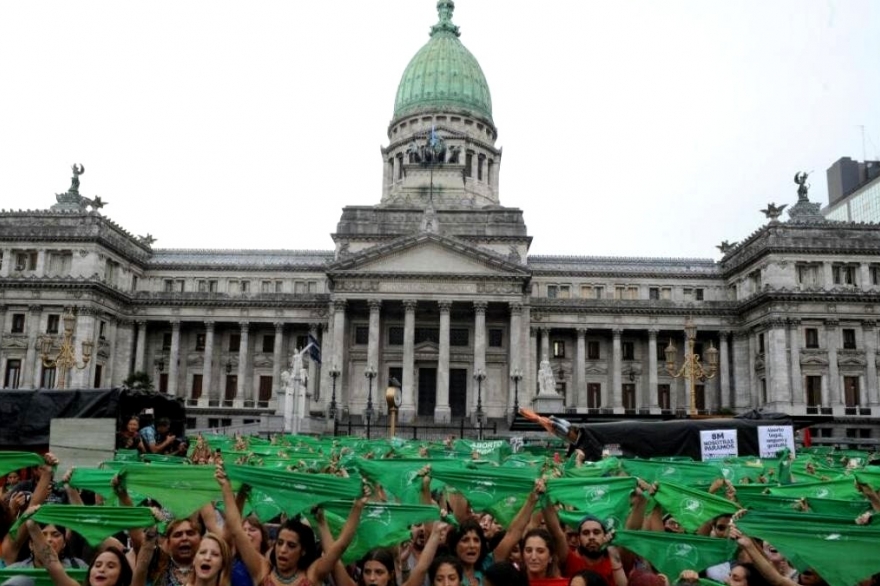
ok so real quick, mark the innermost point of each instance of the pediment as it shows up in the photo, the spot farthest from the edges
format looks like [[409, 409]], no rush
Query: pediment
[[427, 253]]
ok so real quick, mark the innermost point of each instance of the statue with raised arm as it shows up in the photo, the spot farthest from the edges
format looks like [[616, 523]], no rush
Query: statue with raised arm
[[74, 181], [803, 187], [546, 380]]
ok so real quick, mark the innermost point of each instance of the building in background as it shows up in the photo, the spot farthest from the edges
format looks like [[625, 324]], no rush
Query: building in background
[[853, 191], [434, 284]]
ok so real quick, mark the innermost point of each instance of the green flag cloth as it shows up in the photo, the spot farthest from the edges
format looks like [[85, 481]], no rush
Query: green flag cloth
[[768, 502], [690, 473], [293, 492], [841, 488], [484, 486], [399, 477], [671, 553], [12, 461], [95, 480], [842, 555], [691, 507], [95, 524], [127, 456], [182, 490], [41, 577], [603, 467], [606, 498], [495, 450], [870, 475], [381, 524], [838, 507], [164, 459]]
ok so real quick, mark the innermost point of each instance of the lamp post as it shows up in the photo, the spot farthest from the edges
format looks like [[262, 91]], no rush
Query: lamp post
[[334, 374], [480, 376], [516, 376], [370, 373], [66, 357], [692, 368], [393, 398]]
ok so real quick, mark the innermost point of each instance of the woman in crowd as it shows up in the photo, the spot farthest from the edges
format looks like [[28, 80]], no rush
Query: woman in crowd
[[295, 559], [53, 537], [212, 564], [446, 571], [539, 558], [504, 574], [130, 438], [9, 481]]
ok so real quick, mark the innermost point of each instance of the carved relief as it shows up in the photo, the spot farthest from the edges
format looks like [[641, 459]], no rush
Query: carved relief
[[357, 286], [596, 369], [851, 358], [262, 361], [499, 288], [817, 357]]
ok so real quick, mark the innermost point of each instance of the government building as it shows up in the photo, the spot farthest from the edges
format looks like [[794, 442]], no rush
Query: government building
[[432, 284]]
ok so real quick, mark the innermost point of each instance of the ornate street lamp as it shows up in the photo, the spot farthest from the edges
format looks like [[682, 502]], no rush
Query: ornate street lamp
[[370, 373], [393, 398], [692, 368], [66, 357], [516, 376], [334, 374], [480, 376]]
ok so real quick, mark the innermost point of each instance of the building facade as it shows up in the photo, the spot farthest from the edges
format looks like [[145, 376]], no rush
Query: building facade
[[434, 284], [853, 191]]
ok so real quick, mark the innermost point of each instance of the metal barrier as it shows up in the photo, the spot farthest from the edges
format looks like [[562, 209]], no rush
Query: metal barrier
[[418, 431]]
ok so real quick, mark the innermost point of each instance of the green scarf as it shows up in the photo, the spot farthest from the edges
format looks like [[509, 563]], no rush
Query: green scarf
[[606, 498], [689, 473], [483, 486], [12, 461], [182, 490], [671, 553], [41, 577], [381, 524], [841, 488], [292, 492], [842, 554], [96, 480], [95, 524], [399, 477], [691, 507]]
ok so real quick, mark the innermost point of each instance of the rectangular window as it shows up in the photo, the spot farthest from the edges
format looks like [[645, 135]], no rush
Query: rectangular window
[[593, 350], [17, 323], [213, 422], [395, 336], [200, 342], [169, 285], [102, 330], [279, 286], [52, 323], [844, 274], [811, 336], [269, 343], [632, 292], [191, 422], [166, 341], [266, 287], [666, 293], [761, 343], [586, 291], [599, 290], [763, 391], [814, 391], [362, 335], [299, 288], [849, 339], [12, 377], [265, 389], [698, 294], [875, 274], [163, 382], [458, 337], [594, 395], [564, 292], [231, 388], [851, 391], [558, 349], [245, 286], [808, 275], [629, 350], [179, 285], [429, 335], [47, 379], [212, 286], [26, 261], [496, 337], [629, 397], [234, 342], [196, 390], [468, 164], [664, 400], [619, 292], [654, 293], [134, 282], [755, 280], [700, 397], [552, 291], [203, 286]]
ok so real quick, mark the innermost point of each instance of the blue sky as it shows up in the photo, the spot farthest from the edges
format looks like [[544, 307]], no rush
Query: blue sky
[[629, 128]]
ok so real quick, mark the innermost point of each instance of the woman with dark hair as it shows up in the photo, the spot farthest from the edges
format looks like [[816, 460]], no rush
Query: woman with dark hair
[[468, 544], [446, 571], [504, 574], [52, 536], [539, 558], [130, 438], [587, 578], [295, 559]]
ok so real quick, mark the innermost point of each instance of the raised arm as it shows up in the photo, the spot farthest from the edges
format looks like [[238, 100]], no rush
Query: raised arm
[[760, 561], [322, 566], [44, 485], [12, 545], [73, 496], [47, 556], [257, 565], [145, 557], [519, 523], [418, 573]]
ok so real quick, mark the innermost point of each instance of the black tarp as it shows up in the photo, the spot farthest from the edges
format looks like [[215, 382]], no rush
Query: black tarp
[[25, 416], [680, 437]]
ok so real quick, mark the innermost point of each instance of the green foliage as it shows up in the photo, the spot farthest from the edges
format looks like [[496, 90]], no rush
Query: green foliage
[[139, 380]]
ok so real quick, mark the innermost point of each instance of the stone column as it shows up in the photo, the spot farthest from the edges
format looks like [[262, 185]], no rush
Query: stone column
[[684, 398], [408, 407], [373, 342], [243, 351], [174, 359], [870, 331], [339, 352], [85, 331], [755, 386], [41, 267], [653, 396], [515, 361], [617, 354], [724, 368], [581, 368], [32, 367], [442, 411], [532, 374], [124, 357], [277, 361], [828, 276], [778, 388], [327, 356], [835, 398], [208, 368], [479, 351], [794, 348], [545, 345], [5, 267], [112, 335], [313, 387], [140, 352], [742, 375]]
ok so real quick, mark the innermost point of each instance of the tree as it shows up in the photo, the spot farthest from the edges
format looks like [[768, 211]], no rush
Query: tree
[[139, 380]]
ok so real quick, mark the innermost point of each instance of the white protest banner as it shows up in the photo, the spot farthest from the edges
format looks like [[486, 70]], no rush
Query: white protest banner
[[718, 443], [772, 438]]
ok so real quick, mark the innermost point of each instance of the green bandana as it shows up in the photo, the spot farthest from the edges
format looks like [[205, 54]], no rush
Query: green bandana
[[95, 524], [689, 473], [399, 478], [182, 490], [691, 507], [41, 577], [842, 554], [293, 492], [606, 498], [841, 488], [12, 461], [484, 486], [96, 480], [671, 553]]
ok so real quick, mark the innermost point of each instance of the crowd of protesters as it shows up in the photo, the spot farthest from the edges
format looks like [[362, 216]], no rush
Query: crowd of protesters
[[297, 511]]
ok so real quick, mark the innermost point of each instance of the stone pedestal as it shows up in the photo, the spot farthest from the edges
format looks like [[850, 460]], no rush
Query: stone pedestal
[[442, 414], [406, 413], [548, 403]]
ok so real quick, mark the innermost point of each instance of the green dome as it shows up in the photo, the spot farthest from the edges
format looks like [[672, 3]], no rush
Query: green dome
[[443, 75]]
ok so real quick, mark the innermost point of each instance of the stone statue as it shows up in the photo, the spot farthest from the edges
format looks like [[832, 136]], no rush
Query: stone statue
[[414, 152], [803, 187], [513, 255], [773, 211], [454, 153], [546, 380], [726, 246], [74, 181], [148, 239]]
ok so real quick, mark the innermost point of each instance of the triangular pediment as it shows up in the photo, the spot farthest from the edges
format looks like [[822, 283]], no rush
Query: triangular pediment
[[427, 253]]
